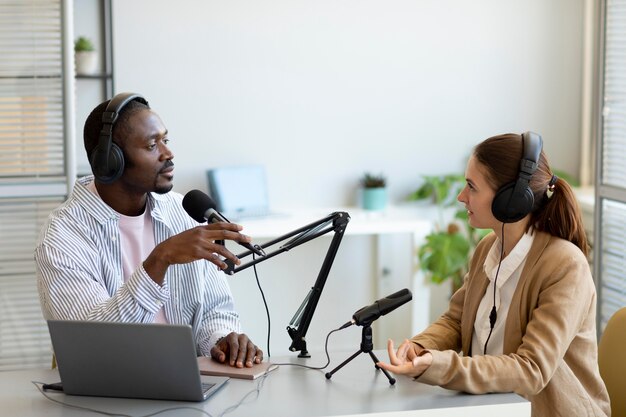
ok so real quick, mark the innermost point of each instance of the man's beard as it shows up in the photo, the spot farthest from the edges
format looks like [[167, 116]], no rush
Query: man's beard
[[167, 188], [163, 189]]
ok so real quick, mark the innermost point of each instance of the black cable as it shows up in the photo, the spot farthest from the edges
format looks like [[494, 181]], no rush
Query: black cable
[[267, 310], [493, 315], [269, 326], [325, 350]]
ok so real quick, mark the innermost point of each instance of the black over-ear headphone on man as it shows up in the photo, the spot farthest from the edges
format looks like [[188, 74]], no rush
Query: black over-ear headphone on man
[[107, 159], [513, 201]]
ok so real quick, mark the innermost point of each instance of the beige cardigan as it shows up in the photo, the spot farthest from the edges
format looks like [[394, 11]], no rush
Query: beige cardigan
[[550, 347]]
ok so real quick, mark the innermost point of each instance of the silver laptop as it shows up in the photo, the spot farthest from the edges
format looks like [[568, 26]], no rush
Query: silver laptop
[[130, 360], [240, 192]]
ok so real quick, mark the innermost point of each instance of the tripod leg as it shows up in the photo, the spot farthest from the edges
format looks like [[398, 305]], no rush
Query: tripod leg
[[375, 359], [342, 364]]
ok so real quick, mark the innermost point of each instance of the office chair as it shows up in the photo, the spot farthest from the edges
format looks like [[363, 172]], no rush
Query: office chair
[[611, 361]]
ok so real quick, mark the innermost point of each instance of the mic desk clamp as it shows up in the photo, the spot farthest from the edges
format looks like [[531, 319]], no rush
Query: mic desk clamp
[[335, 222], [366, 347]]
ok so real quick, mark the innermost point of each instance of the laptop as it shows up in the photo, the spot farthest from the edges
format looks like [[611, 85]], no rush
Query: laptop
[[240, 191], [130, 360]]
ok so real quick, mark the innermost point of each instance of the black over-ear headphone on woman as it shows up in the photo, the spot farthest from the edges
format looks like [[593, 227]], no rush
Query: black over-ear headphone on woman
[[107, 159], [513, 201]]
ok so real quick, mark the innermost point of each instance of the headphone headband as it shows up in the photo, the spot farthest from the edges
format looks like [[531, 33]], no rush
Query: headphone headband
[[116, 105], [532, 149]]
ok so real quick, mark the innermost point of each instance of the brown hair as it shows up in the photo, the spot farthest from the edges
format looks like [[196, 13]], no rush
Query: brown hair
[[558, 214]]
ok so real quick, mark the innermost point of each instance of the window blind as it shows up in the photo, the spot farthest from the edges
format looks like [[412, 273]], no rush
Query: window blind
[[33, 165], [31, 91], [611, 223], [24, 340]]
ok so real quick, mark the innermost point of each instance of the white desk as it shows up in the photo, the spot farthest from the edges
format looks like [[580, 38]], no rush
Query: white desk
[[361, 273], [409, 218], [355, 390]]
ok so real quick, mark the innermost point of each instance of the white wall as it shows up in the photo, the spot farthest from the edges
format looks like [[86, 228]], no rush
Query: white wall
[[322, 91]]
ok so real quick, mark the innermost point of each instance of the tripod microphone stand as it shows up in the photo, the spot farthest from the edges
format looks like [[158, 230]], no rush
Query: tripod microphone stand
[[366, 347], [365, 317]]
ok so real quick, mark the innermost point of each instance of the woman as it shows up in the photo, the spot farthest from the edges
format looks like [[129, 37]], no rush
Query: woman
[[524, 319]]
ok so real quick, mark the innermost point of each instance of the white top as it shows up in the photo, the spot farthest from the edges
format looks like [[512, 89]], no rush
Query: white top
[[508, 277], [137, 239]]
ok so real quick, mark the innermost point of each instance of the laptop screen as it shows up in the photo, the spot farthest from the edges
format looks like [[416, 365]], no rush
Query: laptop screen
[[239, 190]]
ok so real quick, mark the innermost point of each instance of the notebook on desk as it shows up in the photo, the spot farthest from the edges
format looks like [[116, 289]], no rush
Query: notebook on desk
[[131, 360], [209, 366]]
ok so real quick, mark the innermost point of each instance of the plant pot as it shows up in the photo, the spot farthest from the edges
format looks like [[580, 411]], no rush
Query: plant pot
[[86, 62], [374, 198]]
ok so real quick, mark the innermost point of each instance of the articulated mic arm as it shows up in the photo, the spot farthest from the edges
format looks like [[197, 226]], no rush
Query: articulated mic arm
[[299, 324]]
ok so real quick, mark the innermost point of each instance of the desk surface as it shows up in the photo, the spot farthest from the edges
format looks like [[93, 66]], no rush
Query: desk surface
[[357, 389], [408, 218]]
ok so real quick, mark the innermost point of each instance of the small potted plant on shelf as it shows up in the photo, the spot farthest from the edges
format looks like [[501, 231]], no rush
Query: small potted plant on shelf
[[85, 56], [374, 191]]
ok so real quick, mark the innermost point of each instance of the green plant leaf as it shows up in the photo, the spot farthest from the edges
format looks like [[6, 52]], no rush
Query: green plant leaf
[[444, 255], [369, 180], [422, 193], [441, 189], [83, 44]]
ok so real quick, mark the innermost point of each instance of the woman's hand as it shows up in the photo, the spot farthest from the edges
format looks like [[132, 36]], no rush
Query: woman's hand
[[410, 359]]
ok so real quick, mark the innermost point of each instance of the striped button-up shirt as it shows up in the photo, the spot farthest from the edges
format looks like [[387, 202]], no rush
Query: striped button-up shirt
[[79, 271]]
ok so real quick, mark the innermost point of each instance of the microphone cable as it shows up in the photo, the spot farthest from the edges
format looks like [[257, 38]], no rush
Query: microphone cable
[[493, 315], [317, 368], [267, 310], [269, 326]]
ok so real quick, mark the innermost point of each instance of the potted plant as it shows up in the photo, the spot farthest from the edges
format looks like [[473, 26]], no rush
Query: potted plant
[[374, 191], [446, 251], [85, 56]]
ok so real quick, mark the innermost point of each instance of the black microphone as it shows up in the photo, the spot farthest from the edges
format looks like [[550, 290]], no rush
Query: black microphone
[[201, 208], [366, 315]]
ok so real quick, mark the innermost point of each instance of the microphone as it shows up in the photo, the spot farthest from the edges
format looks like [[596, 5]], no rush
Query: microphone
[[366, 315], [201, 208]]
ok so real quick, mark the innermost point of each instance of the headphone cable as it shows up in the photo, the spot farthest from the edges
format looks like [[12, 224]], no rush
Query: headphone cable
[[493, 315]]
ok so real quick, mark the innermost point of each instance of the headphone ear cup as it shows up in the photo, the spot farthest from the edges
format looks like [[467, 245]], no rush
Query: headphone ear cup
[[509, 206], [107, 167]]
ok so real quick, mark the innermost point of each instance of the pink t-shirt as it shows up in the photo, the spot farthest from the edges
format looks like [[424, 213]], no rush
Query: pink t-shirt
[[137, 239]]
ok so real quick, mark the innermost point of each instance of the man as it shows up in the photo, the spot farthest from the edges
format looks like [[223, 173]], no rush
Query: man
[[121, 248]]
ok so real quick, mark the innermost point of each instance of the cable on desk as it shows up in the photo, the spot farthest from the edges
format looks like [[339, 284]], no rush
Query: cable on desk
[[325, 350], [38, 384], [256, 391]]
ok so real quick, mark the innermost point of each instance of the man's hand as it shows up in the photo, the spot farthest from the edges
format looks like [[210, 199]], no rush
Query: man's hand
[[238, 350], [194, 244]]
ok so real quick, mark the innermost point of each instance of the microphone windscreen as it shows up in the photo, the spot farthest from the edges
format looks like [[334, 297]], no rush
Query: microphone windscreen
[[196, 203]]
